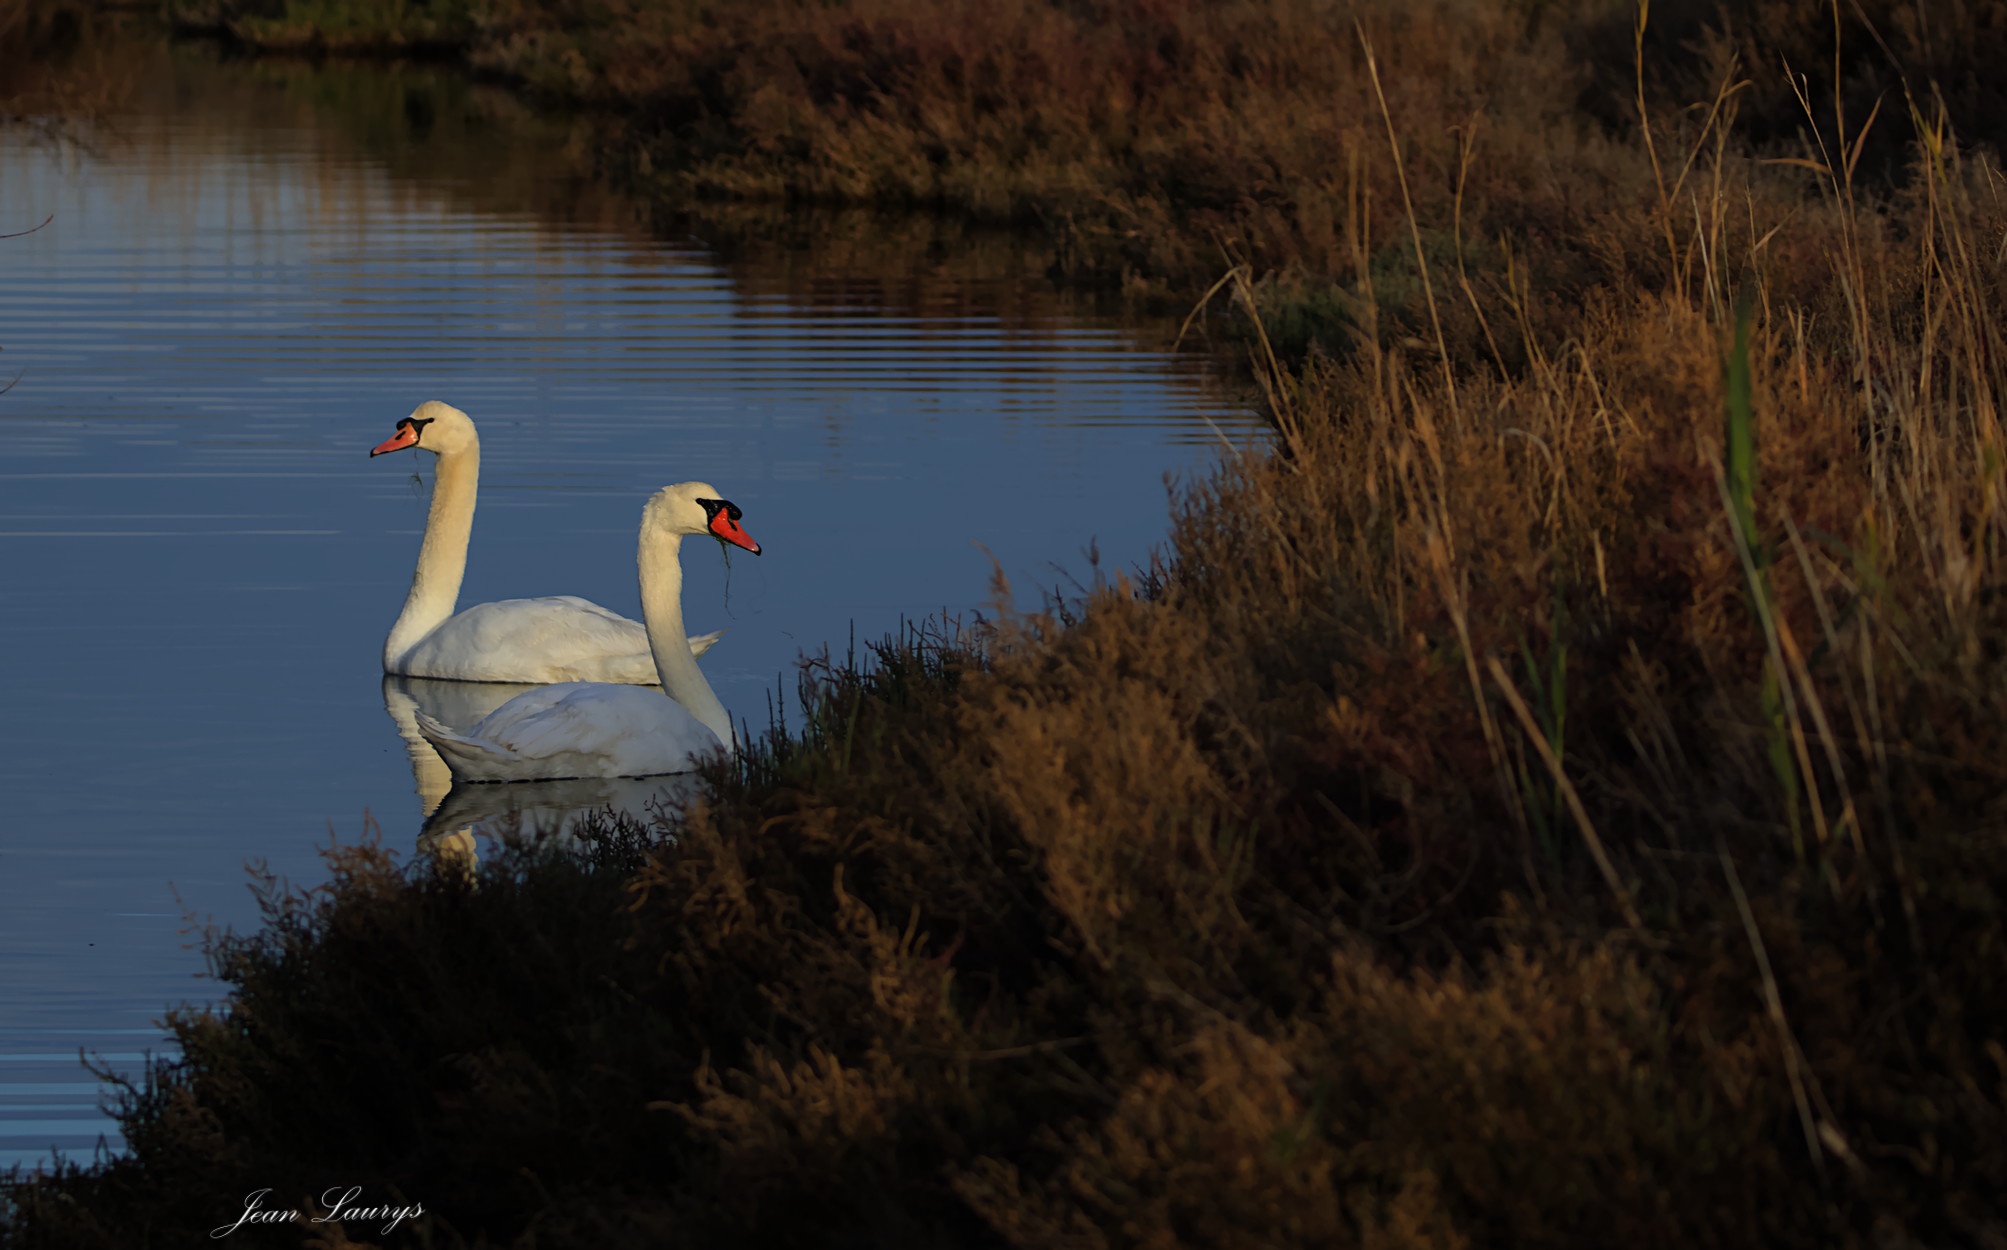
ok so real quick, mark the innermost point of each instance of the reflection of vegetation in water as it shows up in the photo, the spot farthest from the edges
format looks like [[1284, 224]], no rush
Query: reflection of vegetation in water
[[1152, 136], [478, 147], [428, 126], [432, 126], [58, 69]]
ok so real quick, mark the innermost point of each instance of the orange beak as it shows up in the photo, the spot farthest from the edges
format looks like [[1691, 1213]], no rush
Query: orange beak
[[406, 436], [732, 532]]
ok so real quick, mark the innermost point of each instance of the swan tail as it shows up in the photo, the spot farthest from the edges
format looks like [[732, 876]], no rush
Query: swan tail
[[466, 757], [700, 643]]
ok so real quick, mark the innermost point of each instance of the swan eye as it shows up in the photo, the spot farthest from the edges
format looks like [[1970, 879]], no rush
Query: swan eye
[[417, 425]]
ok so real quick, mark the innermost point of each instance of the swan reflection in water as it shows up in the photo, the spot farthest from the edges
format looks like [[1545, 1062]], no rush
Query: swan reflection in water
[[453, 815]]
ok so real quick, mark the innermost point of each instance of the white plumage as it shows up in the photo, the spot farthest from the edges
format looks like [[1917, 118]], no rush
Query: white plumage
[[554, 638], [575, 729], [597, 729]]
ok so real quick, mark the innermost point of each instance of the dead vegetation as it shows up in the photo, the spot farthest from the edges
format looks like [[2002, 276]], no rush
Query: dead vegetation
[[1554, 799]]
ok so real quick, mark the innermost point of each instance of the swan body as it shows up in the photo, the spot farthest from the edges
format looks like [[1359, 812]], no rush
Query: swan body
[[599, 729], [557, 638], [537, 641], [454, 814], [455, 704], [574, 729]]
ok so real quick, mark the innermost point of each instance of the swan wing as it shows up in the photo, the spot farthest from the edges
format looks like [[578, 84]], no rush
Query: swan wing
[[575, 729], [557, 638], [700, 643], [467, 758]]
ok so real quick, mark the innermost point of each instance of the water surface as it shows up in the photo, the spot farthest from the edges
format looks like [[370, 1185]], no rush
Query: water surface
[[249, 278]]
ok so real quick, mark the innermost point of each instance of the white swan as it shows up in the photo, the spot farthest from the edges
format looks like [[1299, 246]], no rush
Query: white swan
[[459, 703], [455, 814], [595, 729], [556, 638]]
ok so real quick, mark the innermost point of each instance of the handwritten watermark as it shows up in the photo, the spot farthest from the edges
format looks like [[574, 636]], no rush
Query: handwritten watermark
[[341, 1204]]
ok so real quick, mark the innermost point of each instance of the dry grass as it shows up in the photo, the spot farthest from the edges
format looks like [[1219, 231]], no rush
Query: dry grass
[[1152, 138], [1555, 799]]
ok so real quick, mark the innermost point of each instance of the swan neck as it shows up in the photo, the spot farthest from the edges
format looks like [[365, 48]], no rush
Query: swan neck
[[442, 557], [662, 611]]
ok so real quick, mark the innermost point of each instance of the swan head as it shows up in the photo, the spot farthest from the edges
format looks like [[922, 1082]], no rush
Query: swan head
[[435, 426], [697, 508]]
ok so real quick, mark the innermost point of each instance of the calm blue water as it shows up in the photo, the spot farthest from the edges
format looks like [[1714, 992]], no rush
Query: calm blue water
[[198, 562]]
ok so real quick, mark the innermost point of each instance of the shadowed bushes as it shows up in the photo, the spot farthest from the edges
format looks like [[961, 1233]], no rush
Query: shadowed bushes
[[1152, 138]]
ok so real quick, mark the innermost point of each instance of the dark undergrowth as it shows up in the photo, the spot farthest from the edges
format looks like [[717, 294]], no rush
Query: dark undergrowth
[[1151, 138], [1555, 799]]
